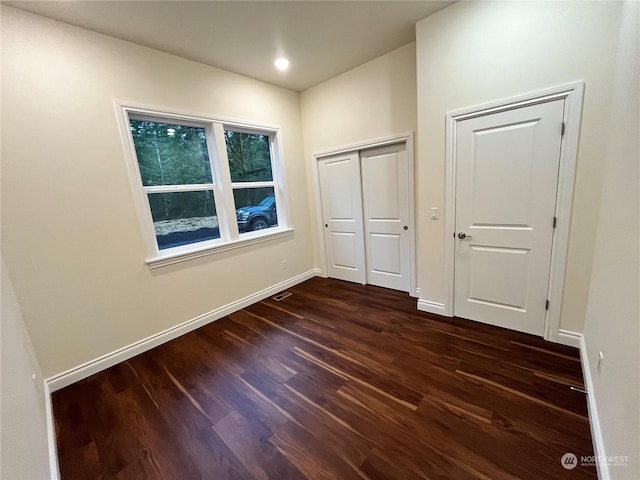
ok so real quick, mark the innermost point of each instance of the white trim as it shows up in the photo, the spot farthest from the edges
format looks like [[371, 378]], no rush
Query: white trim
[[431, 307], [281, 193], [269, 184], [569, 338], [177, 257], [223, 192], [407, 138], [105, 361], [594, 420], [54, 471], [315, 173], [178, 188], [413, 268], [572, 93], [142, 109], [365, 145], [564, 204]]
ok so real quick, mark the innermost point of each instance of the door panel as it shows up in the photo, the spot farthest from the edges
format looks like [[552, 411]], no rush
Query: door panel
[[345, 253], [342, 215], [508, 266], [386, 253], [503, 153], [506, 180], [381, 185], [385, 185]]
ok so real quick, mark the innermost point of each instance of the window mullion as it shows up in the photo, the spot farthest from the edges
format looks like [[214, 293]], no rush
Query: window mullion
[[252, 184], [278, 179], [177, 188], [224, 190]]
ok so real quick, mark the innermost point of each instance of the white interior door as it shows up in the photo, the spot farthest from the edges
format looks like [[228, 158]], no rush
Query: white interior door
[[385, 187], [506, 180], [341, 194]]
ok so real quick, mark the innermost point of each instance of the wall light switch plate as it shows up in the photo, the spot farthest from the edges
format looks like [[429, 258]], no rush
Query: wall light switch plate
[[434, 213]]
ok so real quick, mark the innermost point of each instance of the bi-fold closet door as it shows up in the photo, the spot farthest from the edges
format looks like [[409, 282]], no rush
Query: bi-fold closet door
[[365, 209]]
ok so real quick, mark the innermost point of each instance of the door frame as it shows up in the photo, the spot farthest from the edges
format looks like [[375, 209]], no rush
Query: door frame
[[572, 94], [406, 138]]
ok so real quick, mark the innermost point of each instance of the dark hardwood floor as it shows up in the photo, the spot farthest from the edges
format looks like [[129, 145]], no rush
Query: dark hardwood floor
[[338, 381]]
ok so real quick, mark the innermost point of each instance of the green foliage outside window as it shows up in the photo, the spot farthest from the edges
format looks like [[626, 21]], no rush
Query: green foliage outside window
[[171, 154], [249, 157]]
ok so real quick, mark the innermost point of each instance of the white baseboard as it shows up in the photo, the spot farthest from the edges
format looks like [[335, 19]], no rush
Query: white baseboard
[[569, 338], [594, 420], [432, 307], [575, 339], [101, 363]]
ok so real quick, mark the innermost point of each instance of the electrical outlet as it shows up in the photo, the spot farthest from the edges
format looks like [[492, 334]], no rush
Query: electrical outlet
[[284, 264], [600, 360]]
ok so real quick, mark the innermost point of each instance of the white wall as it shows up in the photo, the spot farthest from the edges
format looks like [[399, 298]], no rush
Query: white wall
[[70, 236], [373, 100], [24, 449], [476, 52], [612, 324]]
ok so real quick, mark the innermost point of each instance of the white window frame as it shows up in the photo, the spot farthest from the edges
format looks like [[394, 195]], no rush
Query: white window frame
[[258, 184], [221, 185]]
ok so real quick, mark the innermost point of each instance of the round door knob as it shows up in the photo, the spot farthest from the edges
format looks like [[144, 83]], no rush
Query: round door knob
[[326, 225], [405, 227]]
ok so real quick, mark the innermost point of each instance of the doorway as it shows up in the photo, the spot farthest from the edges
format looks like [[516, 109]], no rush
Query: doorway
[[506, 178], [510, 175], [366, 207]]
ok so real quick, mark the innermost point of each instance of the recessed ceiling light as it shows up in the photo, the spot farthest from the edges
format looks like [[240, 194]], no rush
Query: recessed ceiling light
[[281, 64]]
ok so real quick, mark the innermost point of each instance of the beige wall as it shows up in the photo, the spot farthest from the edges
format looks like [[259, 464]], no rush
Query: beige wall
[[476, 52], [612, 324], [70, 235], [371, 101], [24, 450]]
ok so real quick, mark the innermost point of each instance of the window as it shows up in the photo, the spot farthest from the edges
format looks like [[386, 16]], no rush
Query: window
[[176, 177], [251, 169], [202, 184]]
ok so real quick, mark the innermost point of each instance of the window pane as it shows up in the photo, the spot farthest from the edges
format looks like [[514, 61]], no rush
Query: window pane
[[181, 218], [171, 154], [255, 208], [249, 157]]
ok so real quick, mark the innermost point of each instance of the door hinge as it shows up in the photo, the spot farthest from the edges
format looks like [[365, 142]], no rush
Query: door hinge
[[555, 222], [564, 126], [546, 306]]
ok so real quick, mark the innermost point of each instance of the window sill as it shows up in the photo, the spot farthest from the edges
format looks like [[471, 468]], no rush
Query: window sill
[[170, 259]]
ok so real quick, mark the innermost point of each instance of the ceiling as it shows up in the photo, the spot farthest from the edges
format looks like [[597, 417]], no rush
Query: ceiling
[[321, 38]]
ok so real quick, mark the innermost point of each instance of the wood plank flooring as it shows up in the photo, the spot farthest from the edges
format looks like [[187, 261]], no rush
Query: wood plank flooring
[[337, 381]]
